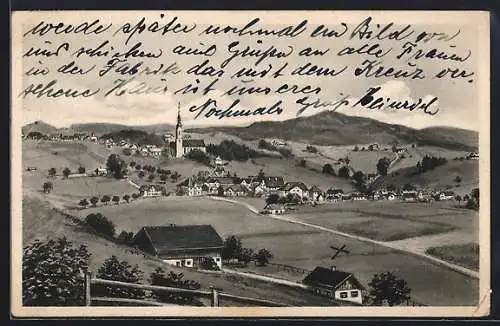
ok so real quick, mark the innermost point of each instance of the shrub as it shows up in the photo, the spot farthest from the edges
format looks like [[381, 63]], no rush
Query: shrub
[[52, 273], [262, 257], [101, 224], [159, 278], [115, 270]]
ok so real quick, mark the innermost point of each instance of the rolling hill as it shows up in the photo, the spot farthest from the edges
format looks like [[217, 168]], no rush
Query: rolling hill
[[333, 128], [105, 128], [39, 126]]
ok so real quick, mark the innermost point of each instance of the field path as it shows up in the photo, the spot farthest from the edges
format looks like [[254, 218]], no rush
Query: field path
[[392, 245], [265, 278]]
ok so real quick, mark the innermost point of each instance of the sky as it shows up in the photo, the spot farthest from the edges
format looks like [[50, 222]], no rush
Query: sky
[[457, 99]]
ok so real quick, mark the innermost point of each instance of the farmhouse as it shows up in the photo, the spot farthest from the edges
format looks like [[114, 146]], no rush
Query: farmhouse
[[273, 209], [446, 195], [473, 156], [151, 191], [315, 193], [101, 171], [334, 284], [183, 246], [334, 194], [295, 188]]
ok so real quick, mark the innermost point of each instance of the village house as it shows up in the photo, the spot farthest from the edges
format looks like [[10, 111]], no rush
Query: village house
[[374, 147], [357, 196], [273, 209], [181, 245], [295, 188], [278, 143], [316, 194], [333, 283], [151, 191], [334, 194], [101, 172], [472, 156], [446, 195], [234, 190], [409, 195]]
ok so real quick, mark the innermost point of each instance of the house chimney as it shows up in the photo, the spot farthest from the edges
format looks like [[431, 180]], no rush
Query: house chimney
[[333, 268]]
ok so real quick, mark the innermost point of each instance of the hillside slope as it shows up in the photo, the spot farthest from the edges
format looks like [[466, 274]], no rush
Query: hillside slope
[[38, 126], [333, 128]]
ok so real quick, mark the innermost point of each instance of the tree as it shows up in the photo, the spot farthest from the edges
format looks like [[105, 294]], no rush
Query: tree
[[115, 270], [177, 280], [262, 257], [105, 199], [81, 170], [391, 187], [135, 195], [125, 237], [127, 151], [359, 177], [272, 199], [126, 198], [175, 176], [66, 172], [116, 199], [47, 187], [261, 174], [344, 172], [52, 273], [116, 165], [356, 148], [458, 179], [138, 167], [132, 164], [151, 177], [101, 224], [383, 165], [84, 203], [458, 198], [386, 287], [94, 200], [52, 172], [142, 174], [408, 187], [163, 178], [232, 248], [220, 191], [198, 156], [302, 163], [328, 169], [246, 255]]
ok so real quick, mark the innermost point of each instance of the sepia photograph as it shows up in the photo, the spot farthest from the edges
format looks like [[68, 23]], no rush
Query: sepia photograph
[[250, 163]]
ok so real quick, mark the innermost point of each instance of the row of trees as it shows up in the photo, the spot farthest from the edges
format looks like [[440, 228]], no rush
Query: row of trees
[[105, 199], [234, 250], [429, 163], [53, 276], [66, 171], [163, 173]]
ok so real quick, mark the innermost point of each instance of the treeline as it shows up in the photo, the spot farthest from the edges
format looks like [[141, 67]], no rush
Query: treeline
[[52, 277], [139, 137], [229, 150]]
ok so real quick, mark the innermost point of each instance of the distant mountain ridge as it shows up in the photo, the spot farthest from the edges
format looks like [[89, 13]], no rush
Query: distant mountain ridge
[[333, 128], [325, 128]]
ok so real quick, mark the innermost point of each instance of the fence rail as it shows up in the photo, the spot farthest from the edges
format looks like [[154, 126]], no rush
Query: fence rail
[[214, 294]]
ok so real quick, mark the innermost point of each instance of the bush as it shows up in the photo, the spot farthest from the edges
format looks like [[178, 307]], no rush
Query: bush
[[94, 200], [328, 169], [84, 203], [159, 278], [52, 273], [262, 257], [458, 179], [208, 263], [311, 149], [101, 224], [115, 270], [81, 170], [125, 238], [386, 287]]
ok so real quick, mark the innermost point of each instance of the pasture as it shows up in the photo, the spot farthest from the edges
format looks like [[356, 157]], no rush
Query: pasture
[[466, 255], [297, 245]]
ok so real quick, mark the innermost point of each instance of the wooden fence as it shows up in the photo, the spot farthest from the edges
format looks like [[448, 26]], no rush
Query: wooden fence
[[214, 294]]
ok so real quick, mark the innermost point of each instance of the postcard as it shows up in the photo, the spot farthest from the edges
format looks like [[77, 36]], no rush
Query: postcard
[[250, 163]]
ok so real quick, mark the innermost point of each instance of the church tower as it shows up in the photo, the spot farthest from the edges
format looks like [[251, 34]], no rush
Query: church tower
[[178, 134]]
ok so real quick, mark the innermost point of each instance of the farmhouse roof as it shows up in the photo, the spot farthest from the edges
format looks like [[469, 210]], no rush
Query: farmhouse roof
[[175, 238], [193, 143], [334, 191], [222, 180], [329, 277], [315, 188]]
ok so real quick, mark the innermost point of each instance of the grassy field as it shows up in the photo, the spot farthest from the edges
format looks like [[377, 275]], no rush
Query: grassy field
[[40, 221], [466, 255], [297, 245], [392, 220]]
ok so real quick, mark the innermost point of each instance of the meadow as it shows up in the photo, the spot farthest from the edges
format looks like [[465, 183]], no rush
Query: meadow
[[297, 245]]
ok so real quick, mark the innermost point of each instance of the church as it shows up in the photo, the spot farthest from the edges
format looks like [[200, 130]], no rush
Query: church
[[182, 146]]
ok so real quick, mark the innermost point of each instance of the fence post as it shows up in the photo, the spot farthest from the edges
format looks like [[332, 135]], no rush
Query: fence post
[[215, 297], [88, 299]]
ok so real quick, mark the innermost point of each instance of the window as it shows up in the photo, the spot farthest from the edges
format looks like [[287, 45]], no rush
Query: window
[[343, 295], [354, 294], [217, 259]]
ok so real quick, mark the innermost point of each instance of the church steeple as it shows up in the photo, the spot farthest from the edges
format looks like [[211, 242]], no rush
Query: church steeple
[[179, 149], [179, 120]]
